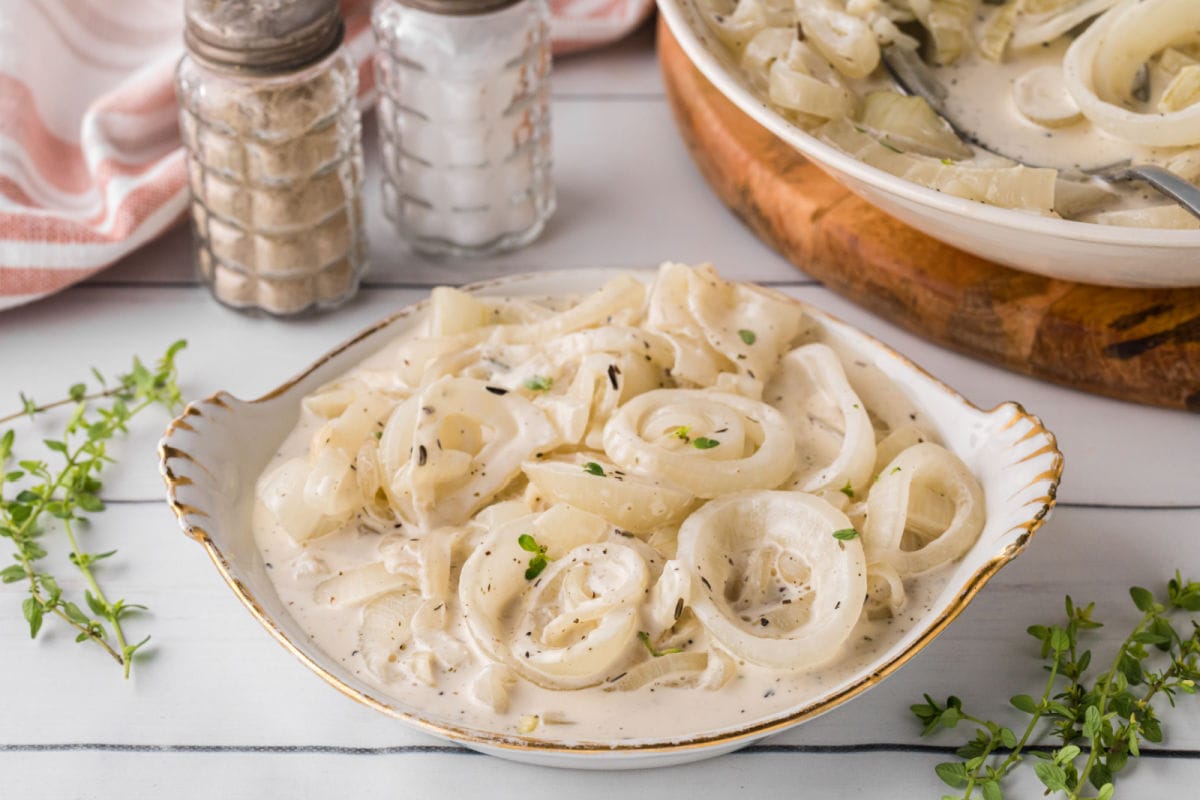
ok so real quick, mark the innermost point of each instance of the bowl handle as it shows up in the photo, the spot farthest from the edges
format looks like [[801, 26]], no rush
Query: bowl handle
[[187, 455]]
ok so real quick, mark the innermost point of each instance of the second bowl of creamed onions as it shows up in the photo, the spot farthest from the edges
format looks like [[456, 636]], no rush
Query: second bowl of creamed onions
[[1047, 104]]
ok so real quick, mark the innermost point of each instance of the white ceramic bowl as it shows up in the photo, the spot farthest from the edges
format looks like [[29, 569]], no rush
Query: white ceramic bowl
[[1057, 248], [212, 454]]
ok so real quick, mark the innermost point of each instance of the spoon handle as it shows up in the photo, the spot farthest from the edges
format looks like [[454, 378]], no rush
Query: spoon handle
[[1170, 184]]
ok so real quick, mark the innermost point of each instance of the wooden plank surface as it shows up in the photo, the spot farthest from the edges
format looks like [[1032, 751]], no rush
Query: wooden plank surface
[[1137, 345]]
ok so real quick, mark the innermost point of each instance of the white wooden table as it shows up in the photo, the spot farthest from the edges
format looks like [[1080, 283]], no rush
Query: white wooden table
[[220, 710]]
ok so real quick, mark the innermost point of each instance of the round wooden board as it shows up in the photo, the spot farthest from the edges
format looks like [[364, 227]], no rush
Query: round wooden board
[[1141, 345]]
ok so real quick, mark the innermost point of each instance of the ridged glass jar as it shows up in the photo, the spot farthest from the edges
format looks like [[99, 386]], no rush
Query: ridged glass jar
[[274, 159], [465, 122]]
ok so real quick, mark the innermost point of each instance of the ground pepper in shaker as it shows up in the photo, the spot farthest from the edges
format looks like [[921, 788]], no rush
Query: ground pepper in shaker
[[465, 122], [270, 121]]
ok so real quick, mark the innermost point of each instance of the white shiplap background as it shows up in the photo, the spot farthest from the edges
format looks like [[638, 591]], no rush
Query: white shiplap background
[[220, 710]]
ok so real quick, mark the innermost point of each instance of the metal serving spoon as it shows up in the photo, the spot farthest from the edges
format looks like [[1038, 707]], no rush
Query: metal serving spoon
[[913, 76]]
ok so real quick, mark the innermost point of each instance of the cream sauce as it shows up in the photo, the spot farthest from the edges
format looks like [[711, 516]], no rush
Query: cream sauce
[[981, 103]]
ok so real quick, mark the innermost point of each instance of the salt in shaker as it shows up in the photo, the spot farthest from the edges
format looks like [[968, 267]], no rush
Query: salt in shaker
[[464, 121], [269, 119]]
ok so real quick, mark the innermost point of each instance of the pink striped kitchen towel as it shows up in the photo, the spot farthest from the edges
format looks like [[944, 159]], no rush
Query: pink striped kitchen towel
[[90, 162]]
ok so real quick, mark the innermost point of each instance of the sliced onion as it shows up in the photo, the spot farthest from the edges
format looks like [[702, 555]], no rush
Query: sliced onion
[[885, 591], [657, 433], [769, 556], [763, 49], [835, 442], [454, 311], [387, 630], [949, 25], [492, 687], [331, 487], [908, 123], [669, 597], [897, 441], [653, 669], [580, 613], [734, 29], [450, 450], [353, 587], [845, 40], [905, 502], [999, 30], [717, 325], [1100, 67], [628, 500], [282, 492], [798, 91], [1167, 216], [1182, 91], [1052, 23], [617, 302], [1018, 186]]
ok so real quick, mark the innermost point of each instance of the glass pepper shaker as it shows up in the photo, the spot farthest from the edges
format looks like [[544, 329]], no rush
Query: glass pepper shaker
[[270, 121], [465, 122]]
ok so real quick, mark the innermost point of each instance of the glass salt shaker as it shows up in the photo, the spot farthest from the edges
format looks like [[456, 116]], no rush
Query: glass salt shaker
[[270, 121], [465, 122]]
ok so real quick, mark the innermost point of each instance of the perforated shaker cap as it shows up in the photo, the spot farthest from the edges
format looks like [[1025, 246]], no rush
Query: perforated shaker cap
[[262, 35], [459, 8]]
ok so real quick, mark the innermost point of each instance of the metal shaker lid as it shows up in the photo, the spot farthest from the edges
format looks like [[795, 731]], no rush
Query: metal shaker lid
[[262, 36], [459, 8]]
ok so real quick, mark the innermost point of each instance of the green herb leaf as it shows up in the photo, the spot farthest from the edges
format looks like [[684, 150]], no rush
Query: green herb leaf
[[845, 534], [1091, 722], [1142, 598], [539, 560], [682, 432], [1051, 775], [592, 468], [747, 336], [703, 443], [1023, 702], [847, 490], [1066, 755], [75, 614], [12, 574], [536, 565], [952, 773], [33, 611], [89, 502], [539, 383], [644, 637]]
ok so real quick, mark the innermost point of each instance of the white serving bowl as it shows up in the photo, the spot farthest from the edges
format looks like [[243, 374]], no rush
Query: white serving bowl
[[1057, 248], [211, 456]]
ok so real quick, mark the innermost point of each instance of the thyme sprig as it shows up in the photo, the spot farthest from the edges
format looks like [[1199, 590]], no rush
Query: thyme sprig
[[68, 491], [1107, 717]]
